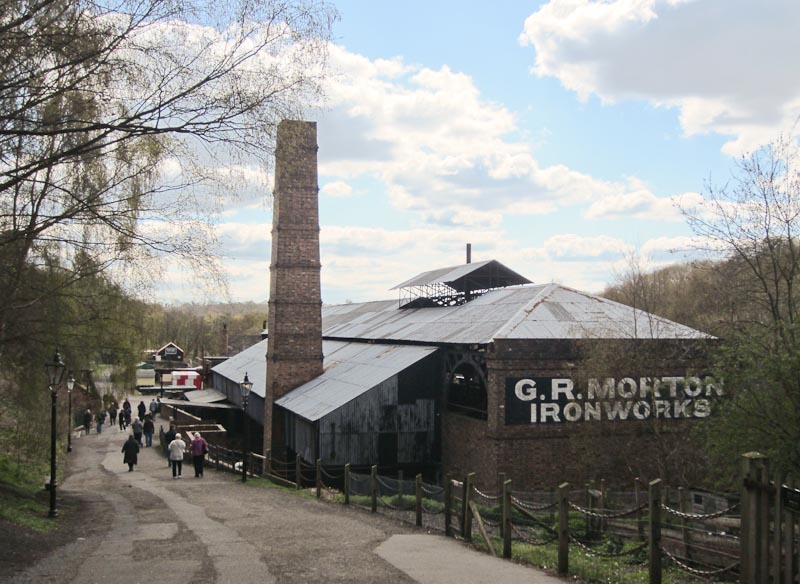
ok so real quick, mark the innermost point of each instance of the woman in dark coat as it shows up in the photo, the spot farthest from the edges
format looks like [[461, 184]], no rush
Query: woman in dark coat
[[142, 409], [131, 450]]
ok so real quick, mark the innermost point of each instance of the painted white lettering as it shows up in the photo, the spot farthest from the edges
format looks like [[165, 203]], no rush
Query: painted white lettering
[[626, 388], [693, 387], [534, 420], [525, 389], [702, 408], [550, 410], [649, 385], [592, 411], [663, 408], [672, 382], [598, 391], [713, 387], [573, 411], [563, 386], [641, 410], [680, 407], [617, 409]]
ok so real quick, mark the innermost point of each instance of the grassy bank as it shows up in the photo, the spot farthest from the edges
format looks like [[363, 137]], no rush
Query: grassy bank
[[23, 499]]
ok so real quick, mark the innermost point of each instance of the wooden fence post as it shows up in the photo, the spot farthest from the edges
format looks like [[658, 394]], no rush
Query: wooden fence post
[[777, 531], [373, 485], [448, 505], [347, 484], [788, 538], [601, 503], [298, 472], [763, 521], [563, 529], [268, 462], [654, 545], [418, 495], [318, 478], [637, 495], [683, 498], [506, 522], [751, 530], [467, 516]]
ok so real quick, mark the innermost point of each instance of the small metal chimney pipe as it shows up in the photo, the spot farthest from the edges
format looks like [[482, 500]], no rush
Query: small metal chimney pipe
[[469, 253]]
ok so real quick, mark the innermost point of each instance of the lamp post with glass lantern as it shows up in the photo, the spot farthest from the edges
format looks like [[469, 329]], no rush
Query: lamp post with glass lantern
[[70, 385], [245, 386], [55, 373]]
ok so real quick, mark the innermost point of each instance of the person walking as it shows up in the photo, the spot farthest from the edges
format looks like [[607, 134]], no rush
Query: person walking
[[101, 418], [137, 430], [127, 417], [122, 424], [176, 449], [199, 449], [87, 420], [112, 413], [142, 409], [169, 436], [131, 451], [153, 409], [148, 428]]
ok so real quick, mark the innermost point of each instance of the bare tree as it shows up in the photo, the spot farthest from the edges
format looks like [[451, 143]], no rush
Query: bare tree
[[115, 119], [752, 223]]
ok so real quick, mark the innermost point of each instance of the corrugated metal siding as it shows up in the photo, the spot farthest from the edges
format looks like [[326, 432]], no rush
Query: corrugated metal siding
[[354, 432], [351, 369]]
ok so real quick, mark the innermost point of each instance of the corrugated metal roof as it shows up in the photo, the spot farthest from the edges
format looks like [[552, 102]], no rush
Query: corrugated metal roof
[[351, 369], [252, 361], [206, 396], [491, 273], [547, 311]]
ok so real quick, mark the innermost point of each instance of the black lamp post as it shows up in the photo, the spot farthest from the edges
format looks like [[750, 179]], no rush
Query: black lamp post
[[245, 386], [55, 373], [70, 385]]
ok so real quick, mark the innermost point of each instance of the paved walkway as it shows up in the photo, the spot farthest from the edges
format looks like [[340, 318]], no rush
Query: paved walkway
[[216, 529]]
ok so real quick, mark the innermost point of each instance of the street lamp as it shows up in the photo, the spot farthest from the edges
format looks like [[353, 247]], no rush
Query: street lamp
[[70, 385], [55, 373], [245, 386]]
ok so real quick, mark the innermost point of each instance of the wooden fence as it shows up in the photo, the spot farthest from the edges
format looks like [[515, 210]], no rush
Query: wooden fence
[[752, 538]]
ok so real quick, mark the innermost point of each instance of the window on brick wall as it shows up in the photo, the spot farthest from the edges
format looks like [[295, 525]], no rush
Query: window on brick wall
[[466, 394]]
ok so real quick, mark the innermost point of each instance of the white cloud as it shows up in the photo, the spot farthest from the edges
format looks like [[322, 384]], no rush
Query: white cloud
[[572, 246], [442, 151], [725, 65], [336, 189]]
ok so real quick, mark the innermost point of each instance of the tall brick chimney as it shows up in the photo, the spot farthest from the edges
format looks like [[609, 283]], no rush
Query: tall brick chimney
[[294, 346]]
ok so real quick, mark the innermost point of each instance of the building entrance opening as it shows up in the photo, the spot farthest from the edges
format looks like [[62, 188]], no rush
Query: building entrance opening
[[466, 393]]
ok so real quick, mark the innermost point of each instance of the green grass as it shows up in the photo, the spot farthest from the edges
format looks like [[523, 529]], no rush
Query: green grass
[[23, 500]]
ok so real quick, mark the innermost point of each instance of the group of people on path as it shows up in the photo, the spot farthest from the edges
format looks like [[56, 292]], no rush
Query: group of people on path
[[176, 449], [144, 427]]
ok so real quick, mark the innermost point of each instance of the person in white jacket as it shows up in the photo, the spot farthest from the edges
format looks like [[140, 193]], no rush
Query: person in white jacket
[[176, 449]]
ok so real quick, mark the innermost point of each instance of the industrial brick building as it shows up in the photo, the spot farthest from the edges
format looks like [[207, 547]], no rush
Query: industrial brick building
[[472, 368]]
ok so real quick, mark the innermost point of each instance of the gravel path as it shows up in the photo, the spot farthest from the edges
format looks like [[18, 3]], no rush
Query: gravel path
[[216, 529]]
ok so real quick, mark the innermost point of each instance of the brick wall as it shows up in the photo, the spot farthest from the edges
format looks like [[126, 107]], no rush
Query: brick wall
[[544, 455], [294, 348]]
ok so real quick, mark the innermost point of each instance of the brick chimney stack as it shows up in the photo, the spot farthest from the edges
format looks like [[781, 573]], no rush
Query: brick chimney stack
[[294, 346]]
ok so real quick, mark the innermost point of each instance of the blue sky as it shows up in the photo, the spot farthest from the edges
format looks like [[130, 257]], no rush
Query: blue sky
[[557, 137]]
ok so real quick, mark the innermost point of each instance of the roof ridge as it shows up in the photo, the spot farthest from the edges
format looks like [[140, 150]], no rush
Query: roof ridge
[[519, 316]]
